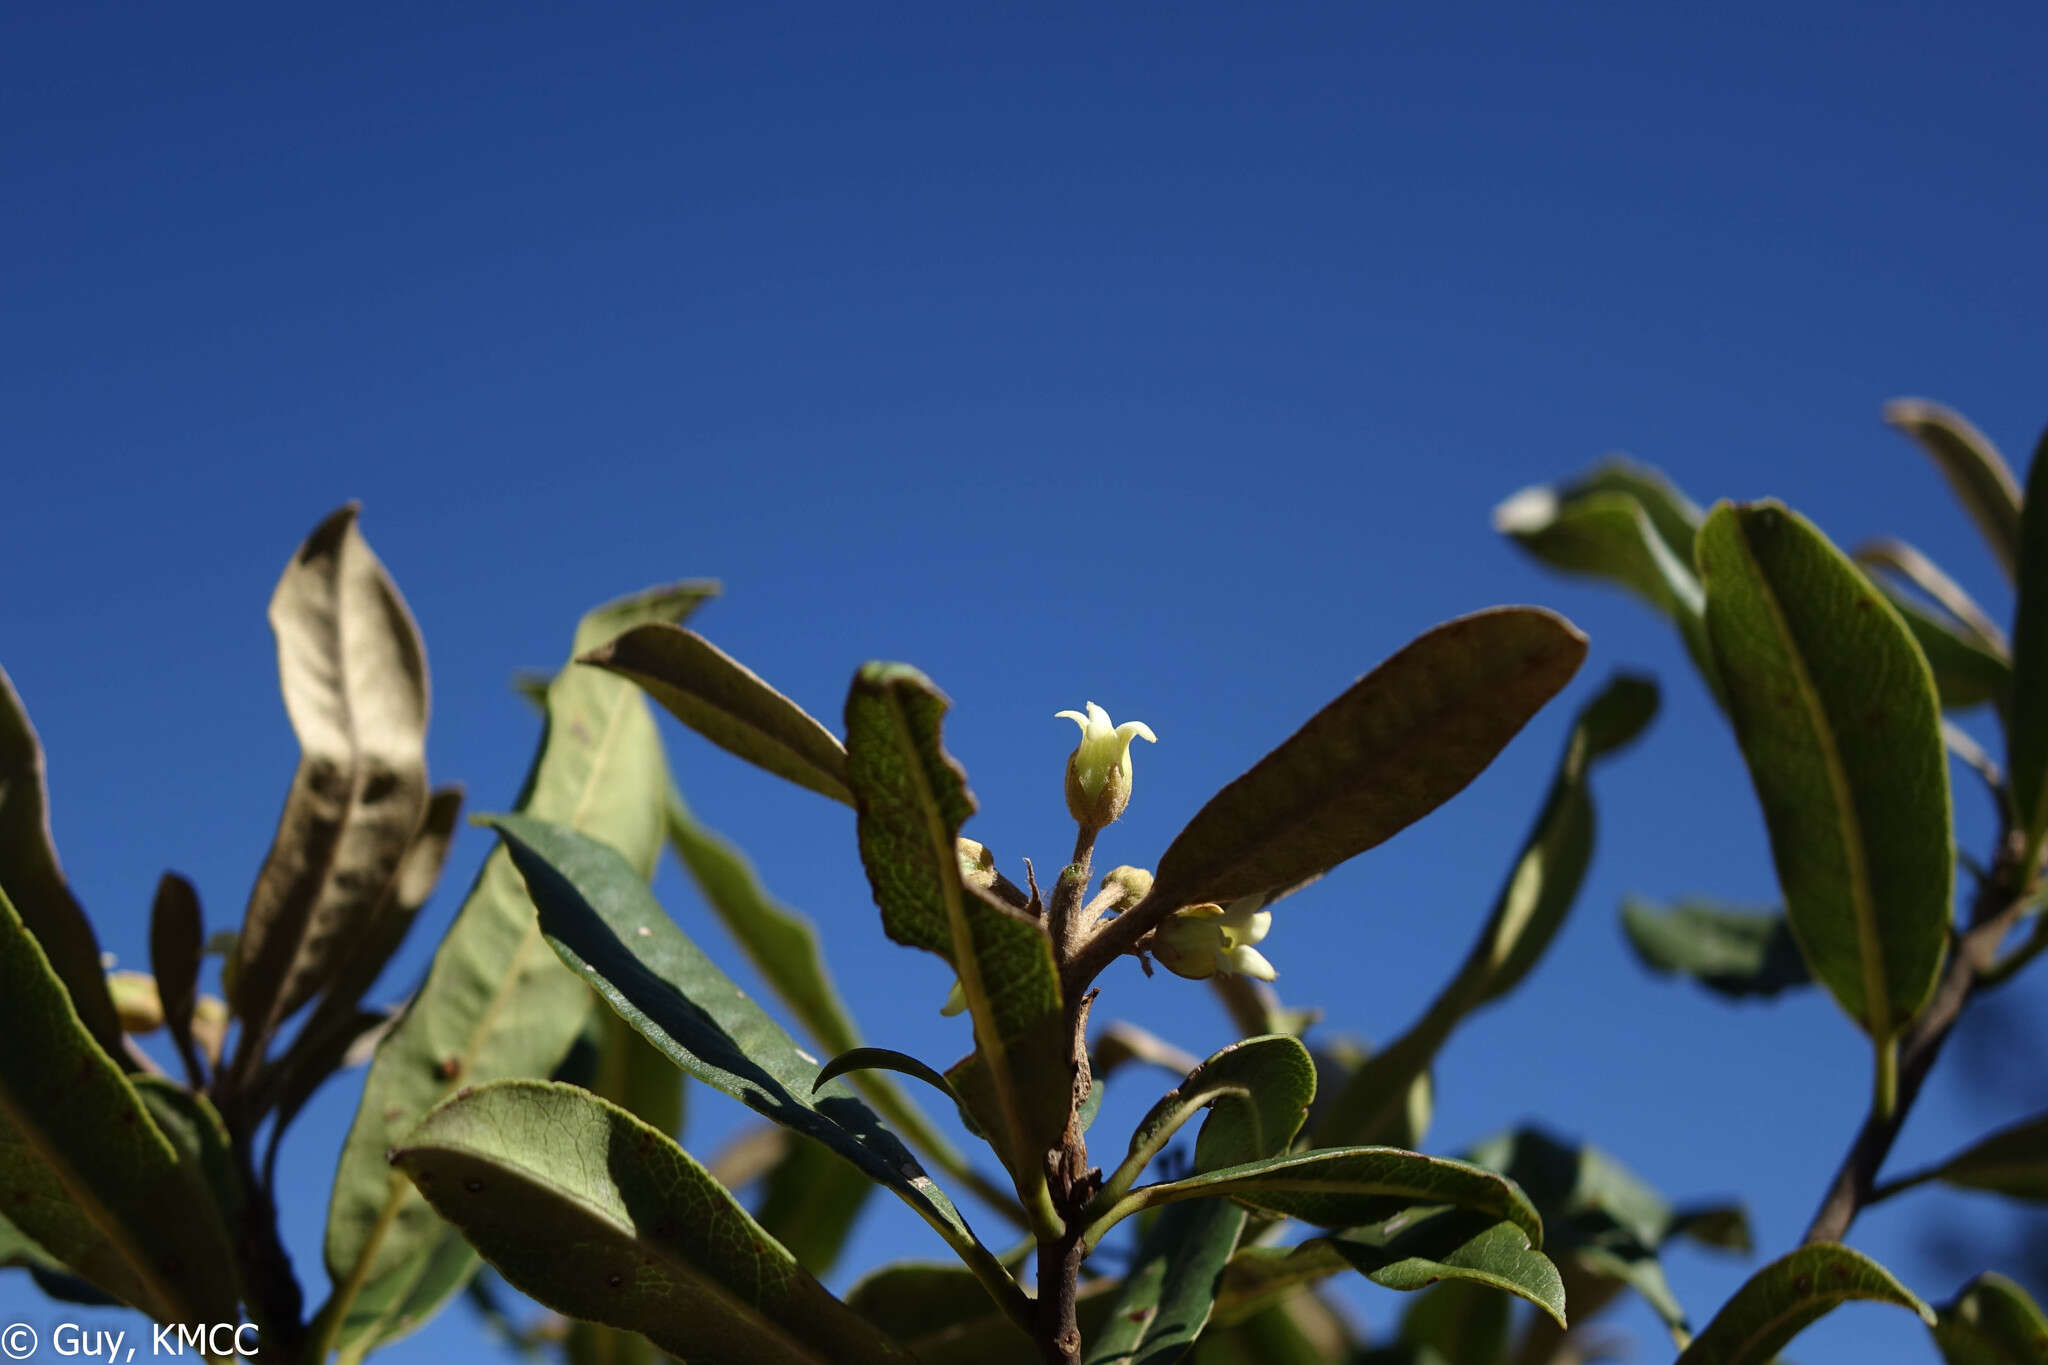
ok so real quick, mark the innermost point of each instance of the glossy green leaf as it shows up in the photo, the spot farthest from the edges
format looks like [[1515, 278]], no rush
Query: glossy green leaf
[[34, 882], [1735, 953], [495, 1002], [1983, 483], [354, 677], [2012, 1161], [1992, 1322], [1415, 1250], [722, 700], [1787, 1296], [528, 1169], [1541, 886], [1341, 1187], [176, 940], [85, 1171], [1835, 710], [911, 798], [1394, 746], [600, 919], [2027, 734]]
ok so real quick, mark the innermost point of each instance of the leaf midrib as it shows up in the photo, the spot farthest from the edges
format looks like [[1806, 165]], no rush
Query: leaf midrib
[[1870, 949]]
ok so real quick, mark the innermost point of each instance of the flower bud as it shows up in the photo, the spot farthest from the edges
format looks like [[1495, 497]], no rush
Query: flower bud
[[136, 1002], [1099, 770], [1133, 884]]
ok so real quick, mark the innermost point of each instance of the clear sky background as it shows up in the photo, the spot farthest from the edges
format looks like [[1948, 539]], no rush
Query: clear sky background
[[1170, 357]]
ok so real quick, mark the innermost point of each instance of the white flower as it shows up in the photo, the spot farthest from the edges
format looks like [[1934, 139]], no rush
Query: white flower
[[1202, 940], [1099, 771]]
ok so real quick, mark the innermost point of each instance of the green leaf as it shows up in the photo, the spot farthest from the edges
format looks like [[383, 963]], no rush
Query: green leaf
[[1983, 484], [1393, 747], [176, 939], [1170, 1289], [1258, 1091], [1788, 1295], [1414, 1250], [1835, 709], [722, 700], [1992, 1322], [783, 947], [2012, 1161], [1892, 556], [354, 677], [635, 1076], [495, 1002], [17, 1248], [528, 1169], [1461, 1320], [1601, 1221], [85, 1171], [1967, 672], [29, 872], [1625, 523], [781, 944], [912, 798], [600, 919], [945, 1316], [1261, 1089], [1301, 1330], [213, 1186], [810, 1200], [1735, 953], [883, 1059], [1340, 1187], [2027, 735], [1541, 886]]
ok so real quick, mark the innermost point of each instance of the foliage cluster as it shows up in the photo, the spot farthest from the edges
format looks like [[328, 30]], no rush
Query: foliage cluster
[[519, 1108]]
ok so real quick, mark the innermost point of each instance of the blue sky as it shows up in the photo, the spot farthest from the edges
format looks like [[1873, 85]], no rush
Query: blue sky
[[1169, 358]]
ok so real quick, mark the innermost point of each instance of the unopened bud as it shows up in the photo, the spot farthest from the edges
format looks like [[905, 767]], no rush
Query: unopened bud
[[136, 1002], [1099, 770]]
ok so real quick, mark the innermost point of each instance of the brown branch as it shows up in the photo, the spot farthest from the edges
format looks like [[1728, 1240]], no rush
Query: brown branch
[[1995, 909]]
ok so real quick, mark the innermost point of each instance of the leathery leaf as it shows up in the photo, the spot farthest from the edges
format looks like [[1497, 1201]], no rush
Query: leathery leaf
[[604, 1218], [495, 1002]]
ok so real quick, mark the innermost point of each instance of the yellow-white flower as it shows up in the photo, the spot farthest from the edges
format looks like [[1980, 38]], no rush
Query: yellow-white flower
[[1099, 771], [1201, 940]]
